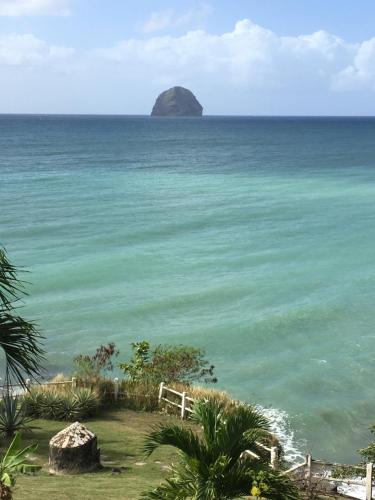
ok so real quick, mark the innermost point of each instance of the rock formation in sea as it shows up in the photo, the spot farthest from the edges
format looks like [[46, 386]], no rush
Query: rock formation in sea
[[177, 101]]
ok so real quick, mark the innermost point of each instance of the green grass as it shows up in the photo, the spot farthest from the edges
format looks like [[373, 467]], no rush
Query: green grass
[[120, 437]]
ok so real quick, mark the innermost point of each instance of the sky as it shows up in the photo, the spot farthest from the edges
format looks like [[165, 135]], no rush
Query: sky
[[239, 57]]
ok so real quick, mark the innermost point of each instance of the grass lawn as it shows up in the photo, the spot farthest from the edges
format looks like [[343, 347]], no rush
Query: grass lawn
[[120, 436]]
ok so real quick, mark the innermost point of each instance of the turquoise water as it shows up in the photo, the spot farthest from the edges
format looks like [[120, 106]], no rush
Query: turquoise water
[[252, 238]]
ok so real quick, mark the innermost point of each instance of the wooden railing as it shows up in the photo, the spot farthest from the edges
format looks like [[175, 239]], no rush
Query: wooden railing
[[309, 469], [321, 470], [185, 399], [15, 389]]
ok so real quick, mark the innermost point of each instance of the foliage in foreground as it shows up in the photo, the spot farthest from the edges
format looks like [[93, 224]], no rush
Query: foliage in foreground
[[19, 338], [15, 461], [168, 363], [57, 405], [12, 416], [211, 467]]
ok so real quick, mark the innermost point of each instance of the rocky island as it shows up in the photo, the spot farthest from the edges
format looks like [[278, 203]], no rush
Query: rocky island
[[177, 101]]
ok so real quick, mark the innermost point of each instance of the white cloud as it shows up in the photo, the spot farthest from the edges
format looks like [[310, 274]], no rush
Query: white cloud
[[34, 7], [250, 56], [170, 18], [248, 69], [360, 74], [27, 50]]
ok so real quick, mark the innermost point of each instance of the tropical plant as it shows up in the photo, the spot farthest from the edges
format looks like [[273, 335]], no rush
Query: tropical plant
[[13, 462], [168, 363], [56, 405], [88, 368], [212, 466], [12, 416], [19, 338]]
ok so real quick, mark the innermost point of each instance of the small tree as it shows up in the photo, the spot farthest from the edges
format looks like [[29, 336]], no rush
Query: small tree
[[211, 465], [168, 363], [90, 367]]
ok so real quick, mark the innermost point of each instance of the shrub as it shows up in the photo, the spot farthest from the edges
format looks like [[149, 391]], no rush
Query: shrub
[[87, 401], [57, 405], [90, 367], [168, 363], [12, 417], [368, 453]]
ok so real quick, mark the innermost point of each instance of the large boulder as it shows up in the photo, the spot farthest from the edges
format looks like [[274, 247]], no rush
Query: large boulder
[[177, 101], [74, 450]]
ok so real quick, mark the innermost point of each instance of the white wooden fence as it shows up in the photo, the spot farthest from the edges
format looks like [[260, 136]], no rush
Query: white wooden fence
[[310, 469], [321, 470], [18, 389], [186, 402]]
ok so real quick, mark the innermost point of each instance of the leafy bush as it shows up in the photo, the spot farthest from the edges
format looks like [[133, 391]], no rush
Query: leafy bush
[[368, 453], [57, 405], [90, 367], [15, 460], [12, 417], [87, 401], [168, 363]]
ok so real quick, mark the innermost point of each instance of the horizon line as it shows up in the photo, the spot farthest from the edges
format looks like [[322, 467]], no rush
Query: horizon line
[[189, 117]]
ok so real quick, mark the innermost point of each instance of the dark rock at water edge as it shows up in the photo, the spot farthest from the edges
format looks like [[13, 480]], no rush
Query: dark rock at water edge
[[177, 101]]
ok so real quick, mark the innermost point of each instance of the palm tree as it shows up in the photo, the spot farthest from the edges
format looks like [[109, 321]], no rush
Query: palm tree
[[19, 338], [212, 466]]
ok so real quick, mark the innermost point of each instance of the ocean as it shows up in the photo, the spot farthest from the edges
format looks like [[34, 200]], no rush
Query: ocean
[[253, 238]]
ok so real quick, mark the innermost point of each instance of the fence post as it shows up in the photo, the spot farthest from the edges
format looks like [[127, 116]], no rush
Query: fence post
[[308, 471], [274, 457], [183, 405], [27, 383], [369, 481], [161, 391], [115, 392], [74, 383]]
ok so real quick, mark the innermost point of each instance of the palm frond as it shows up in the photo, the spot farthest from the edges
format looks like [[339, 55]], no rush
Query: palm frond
[[208, 414], [210, 467], [21, 344], [15, 460], [180, 486], [10, 285], [242, 427], [181, 438]]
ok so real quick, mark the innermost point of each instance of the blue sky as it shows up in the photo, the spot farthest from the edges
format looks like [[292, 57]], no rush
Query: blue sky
[[239, 57]]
